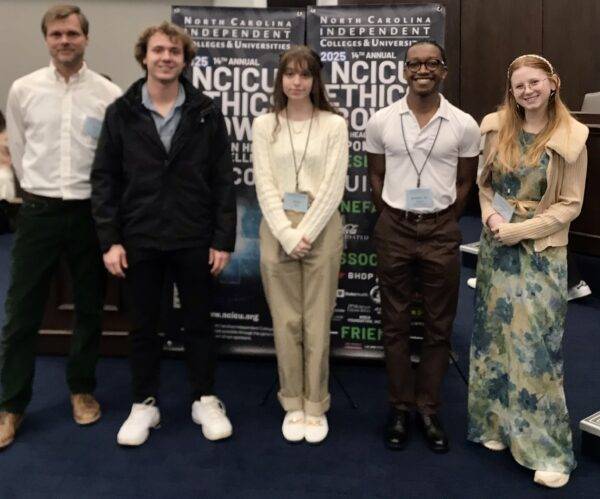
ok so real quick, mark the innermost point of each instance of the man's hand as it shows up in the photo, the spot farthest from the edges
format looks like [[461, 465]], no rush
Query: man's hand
[[376, 172], [218, 260], [466, 175], [115, 260], [301, 249], [494, 221]]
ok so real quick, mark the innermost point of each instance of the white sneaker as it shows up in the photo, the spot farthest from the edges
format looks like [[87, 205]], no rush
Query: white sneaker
[[293, 426], [494, 445], [552, 479], [136, 428], [472, 282], [579, 291], [315, 428], [209, 412]]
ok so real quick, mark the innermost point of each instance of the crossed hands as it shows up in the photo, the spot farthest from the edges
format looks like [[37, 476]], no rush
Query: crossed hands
[[301, 249], [115, 260], [494, 222]]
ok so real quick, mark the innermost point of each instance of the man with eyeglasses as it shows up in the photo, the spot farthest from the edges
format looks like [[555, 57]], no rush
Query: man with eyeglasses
[[422, 155]]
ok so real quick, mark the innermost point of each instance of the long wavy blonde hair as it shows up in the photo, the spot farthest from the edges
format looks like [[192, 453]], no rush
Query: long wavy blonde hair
[[512, 117]]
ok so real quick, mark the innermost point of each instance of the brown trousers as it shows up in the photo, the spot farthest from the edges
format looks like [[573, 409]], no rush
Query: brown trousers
[[428, 250], [301, 296]]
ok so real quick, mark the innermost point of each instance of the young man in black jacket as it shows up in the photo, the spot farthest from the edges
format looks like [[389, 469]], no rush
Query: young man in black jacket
[[163, 195]]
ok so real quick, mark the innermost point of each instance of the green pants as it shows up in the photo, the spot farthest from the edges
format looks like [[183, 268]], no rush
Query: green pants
[[48, 229]]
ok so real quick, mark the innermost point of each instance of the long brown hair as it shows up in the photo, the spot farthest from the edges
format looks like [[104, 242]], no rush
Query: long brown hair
[[303, 57], [512, 117]]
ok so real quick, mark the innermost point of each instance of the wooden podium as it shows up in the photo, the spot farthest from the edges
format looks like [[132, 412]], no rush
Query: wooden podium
[[585, 230]]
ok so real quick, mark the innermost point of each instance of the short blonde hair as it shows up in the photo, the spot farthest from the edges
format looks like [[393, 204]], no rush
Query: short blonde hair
[[62, 12]]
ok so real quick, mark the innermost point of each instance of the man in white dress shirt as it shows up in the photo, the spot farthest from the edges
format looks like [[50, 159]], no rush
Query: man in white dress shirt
[[422, 154], [54, 116]]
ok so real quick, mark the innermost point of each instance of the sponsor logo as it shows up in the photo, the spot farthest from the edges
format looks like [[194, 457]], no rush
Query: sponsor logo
[[351, 233], [350, 229], [375, 295]]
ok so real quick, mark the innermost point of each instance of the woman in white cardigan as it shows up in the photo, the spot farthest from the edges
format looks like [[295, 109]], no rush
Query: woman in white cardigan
[[300, 158]]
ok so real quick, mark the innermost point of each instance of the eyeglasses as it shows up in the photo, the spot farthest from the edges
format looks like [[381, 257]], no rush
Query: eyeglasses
[[431, 64], [532, 84]]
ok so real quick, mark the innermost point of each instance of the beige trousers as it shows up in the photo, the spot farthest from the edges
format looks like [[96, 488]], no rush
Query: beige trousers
[[301, 296]]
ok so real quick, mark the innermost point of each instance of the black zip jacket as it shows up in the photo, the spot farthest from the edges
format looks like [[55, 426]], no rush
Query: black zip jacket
[[144, 197]]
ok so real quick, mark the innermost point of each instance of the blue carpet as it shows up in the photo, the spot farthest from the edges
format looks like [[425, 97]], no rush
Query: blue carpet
[[52, 457]]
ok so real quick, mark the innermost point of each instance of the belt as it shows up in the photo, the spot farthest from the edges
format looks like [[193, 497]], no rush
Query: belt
[[29, 196], [411, 216], [522, 207]]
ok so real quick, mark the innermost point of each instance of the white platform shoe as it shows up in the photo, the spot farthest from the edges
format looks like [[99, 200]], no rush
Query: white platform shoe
[[136, 428]]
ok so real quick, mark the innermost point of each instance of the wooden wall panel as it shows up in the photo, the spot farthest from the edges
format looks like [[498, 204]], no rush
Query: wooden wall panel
[[571, 38], [493, 33]]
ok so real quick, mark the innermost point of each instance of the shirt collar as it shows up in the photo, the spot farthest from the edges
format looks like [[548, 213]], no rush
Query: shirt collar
[[77, 76], [442, 111], [147, 101]]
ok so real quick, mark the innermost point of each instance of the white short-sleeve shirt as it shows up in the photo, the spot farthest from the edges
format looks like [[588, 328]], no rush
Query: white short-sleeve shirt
[[458, 137]]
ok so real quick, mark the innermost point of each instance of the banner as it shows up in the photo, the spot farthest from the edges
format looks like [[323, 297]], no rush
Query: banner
[[235, 64], [362, 49]]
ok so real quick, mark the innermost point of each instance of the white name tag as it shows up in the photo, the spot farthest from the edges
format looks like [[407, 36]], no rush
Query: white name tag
[[503, 207], [419, 198], [92, 127], [295, 201]]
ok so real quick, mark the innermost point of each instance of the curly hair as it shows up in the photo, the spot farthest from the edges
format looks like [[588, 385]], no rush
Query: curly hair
[[175, 33]]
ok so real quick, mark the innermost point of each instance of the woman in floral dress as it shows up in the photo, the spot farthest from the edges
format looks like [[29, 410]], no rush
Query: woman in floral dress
[[530, 189]]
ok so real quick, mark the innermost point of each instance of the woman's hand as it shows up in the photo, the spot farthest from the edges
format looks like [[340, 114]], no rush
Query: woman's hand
[[494, 222], [301, 249]]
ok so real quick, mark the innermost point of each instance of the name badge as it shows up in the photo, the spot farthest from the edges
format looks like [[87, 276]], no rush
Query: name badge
[[92, 127], [419, 198], [295, 201], [503, 207]]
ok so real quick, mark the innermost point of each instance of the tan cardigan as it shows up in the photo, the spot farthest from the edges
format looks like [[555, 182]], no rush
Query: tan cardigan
[[562, 201]]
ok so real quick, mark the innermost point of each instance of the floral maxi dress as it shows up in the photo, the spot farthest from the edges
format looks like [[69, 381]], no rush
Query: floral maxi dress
[[516, 391]]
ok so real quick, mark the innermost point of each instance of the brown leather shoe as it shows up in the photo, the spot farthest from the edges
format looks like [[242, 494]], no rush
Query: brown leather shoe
[[9, 424], [86, 409]]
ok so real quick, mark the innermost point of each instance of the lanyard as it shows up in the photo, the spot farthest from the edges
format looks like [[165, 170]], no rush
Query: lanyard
[[296, 167], [428, 154]]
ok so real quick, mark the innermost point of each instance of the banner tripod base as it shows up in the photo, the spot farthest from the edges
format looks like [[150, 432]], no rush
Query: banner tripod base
[[268, 392], [353, 404], [462, 375]]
